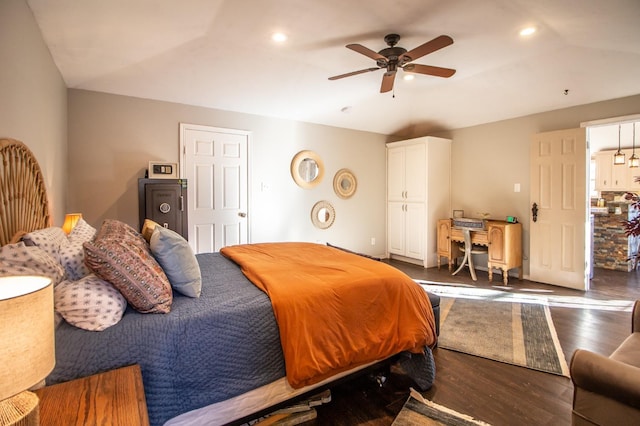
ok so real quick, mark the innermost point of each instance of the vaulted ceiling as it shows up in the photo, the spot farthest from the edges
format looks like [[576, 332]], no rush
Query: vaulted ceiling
[[219, 54]]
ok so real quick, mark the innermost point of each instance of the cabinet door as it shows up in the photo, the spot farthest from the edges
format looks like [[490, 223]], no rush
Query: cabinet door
[[496, 236], [415, 172], [395, 233], [619, 175], [604, 164], [444, 238], [414, 230], [395, 174]]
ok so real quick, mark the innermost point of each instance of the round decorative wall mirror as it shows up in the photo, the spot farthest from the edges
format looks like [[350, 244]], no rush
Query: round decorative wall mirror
[[344, 183], [323, 214], [307, 169]]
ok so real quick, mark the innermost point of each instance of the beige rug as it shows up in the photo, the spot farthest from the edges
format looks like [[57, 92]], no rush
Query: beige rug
[[418, 411], [516, 333]]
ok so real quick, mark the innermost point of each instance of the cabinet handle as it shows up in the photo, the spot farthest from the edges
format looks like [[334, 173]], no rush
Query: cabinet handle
[[181, 203]]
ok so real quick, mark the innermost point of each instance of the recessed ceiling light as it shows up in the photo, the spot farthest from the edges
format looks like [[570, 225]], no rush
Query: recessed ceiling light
[[527, 31], [279, 37], [408, 77]]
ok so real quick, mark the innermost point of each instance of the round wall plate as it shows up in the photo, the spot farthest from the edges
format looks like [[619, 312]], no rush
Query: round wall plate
[[323, 214], [344, 183]]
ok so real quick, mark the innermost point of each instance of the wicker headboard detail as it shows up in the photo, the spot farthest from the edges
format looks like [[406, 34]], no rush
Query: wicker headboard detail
[[23, 195]]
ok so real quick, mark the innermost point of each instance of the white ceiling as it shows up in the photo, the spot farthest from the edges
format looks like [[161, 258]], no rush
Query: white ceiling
[[219, 54]]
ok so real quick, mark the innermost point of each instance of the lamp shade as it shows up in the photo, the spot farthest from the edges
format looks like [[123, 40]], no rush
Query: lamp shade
[[27, 352], [70, 221]]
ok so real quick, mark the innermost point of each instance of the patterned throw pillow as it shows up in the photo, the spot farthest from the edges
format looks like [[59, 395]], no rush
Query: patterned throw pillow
[[72, 254], [48, 239], [121, 256], [19, 259], [90, 303], [176, 257], [115, 229]]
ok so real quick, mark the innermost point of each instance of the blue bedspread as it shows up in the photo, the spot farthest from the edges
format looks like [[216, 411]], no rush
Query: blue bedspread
[[204, 351]]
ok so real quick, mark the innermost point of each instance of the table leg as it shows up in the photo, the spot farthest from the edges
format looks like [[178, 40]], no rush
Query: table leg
[[505, 276]]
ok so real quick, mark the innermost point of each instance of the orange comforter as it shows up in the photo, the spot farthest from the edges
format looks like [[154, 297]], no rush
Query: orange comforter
[[335, 310]]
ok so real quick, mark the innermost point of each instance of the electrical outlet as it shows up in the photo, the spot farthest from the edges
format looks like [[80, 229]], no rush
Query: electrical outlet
[[373, 241]]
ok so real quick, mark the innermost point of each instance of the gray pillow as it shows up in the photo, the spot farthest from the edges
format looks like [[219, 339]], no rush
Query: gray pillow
[[179, 263]]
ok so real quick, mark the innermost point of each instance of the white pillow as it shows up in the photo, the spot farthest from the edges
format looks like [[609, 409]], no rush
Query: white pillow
[[48, 239], [19, 259], [72, 254], [179, 263], [90, 303]]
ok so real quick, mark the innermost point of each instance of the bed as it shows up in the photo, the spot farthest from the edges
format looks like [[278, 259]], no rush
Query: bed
[[217, 352]]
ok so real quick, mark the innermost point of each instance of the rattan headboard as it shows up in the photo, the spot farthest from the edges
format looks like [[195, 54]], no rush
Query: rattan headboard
[[23, 195]]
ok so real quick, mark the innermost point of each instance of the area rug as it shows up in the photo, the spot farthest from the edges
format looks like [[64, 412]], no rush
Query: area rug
[[419, 411], [512, 332]]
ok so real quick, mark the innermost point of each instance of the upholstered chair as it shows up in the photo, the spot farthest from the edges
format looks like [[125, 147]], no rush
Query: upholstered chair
[[607, 389]]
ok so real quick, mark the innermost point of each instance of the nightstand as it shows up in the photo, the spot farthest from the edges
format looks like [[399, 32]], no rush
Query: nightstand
[[112, 398]]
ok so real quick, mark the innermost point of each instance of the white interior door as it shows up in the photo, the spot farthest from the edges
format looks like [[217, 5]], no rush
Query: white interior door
[[558, 190], [214, 162]]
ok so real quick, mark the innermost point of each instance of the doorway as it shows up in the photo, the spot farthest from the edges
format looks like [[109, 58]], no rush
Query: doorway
[[610, 248]]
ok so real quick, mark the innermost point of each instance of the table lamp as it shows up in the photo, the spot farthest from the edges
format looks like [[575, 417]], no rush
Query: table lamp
[[70, 221], [27, 352]]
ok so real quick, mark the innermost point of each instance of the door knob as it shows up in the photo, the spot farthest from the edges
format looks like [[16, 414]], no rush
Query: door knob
[[242, 214], [534, 212]]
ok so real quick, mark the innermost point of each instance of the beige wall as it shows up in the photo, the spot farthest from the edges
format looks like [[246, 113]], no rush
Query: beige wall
[[33, 108], [112, 138], [489, 159]]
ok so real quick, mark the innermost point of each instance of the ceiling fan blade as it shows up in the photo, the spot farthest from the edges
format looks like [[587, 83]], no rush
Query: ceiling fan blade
[[429, 70], [366, 51], [349, 74], [428, 47], [387, 81]]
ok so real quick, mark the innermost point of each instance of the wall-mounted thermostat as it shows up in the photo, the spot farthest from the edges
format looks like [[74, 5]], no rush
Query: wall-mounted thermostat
[[163, 170]]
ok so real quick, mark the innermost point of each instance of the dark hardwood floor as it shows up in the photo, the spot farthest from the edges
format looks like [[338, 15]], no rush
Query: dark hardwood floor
[[494, 392]]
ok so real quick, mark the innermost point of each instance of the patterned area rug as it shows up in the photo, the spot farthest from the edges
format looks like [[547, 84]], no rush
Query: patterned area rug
[[512, 332], [418, 411]]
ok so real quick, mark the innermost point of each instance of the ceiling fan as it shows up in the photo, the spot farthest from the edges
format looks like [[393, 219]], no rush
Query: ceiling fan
[[392, 58]]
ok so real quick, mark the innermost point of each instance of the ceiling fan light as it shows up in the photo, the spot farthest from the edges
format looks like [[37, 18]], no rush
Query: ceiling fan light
[[408, 77]]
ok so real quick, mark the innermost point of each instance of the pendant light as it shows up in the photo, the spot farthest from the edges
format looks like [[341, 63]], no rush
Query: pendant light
[[634, 161], [618, 157]]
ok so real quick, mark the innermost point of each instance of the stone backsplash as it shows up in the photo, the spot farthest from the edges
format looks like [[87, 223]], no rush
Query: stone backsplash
[[611, 246]]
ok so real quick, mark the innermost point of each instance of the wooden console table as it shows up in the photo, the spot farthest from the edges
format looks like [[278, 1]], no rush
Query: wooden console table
[[503, 239], [114, 398]]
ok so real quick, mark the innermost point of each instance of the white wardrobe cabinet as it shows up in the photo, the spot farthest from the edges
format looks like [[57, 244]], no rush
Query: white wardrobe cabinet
[[418, 194]]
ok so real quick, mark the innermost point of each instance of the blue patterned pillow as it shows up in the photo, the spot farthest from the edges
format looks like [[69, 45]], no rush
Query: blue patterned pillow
[[89, 303], [72, 254], [19, 259]]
